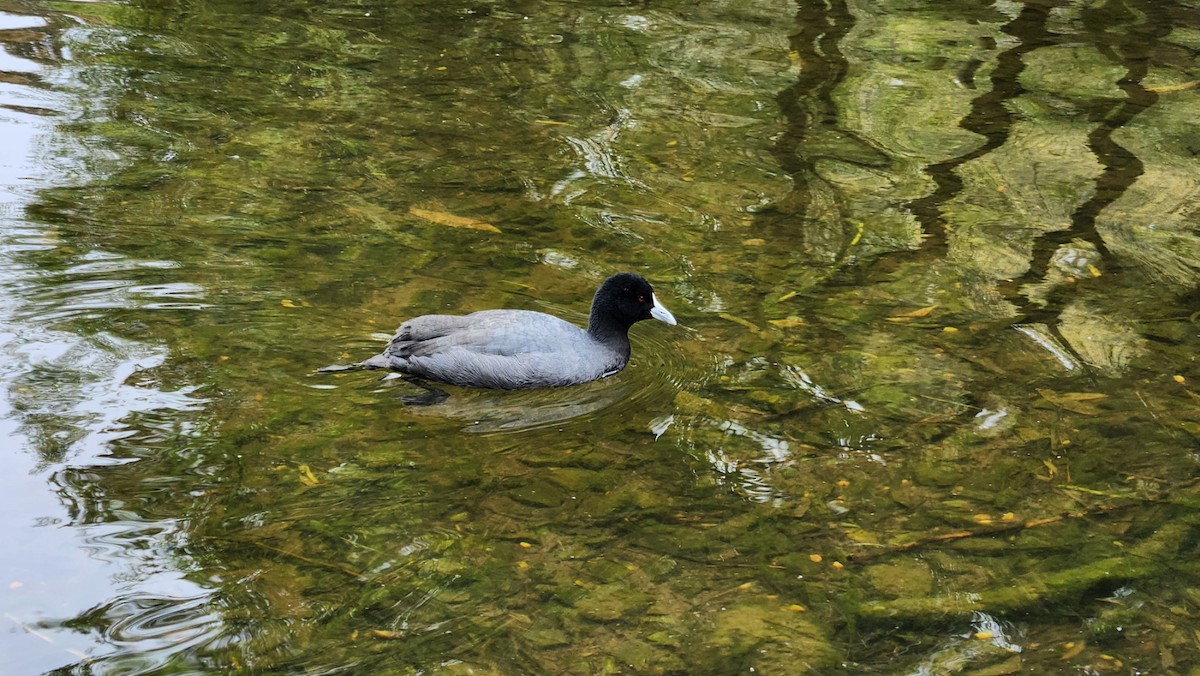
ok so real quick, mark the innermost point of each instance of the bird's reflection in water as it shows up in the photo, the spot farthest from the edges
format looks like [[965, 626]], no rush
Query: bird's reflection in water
[[498, 411]]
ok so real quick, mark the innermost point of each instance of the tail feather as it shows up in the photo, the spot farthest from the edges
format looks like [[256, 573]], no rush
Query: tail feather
[[339, 368], [379, 361]]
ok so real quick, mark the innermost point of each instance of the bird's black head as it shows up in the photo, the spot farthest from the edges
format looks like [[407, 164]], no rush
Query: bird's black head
[[622, 300]]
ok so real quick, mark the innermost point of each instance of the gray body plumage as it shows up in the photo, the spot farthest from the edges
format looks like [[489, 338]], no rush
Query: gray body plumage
[[503, 349]]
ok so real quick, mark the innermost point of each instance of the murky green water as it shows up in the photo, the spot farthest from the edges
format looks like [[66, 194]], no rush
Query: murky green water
[[931, 408]]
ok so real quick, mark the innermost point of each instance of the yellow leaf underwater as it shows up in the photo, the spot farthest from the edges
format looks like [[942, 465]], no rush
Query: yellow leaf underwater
[[307, 477], [1163, 89], [1072, 649], [917, 314], [1076, 402], [787, 322], [738, 320], [451, 220]]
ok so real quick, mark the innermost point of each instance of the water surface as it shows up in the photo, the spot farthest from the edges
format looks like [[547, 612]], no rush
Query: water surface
[[930, 408]]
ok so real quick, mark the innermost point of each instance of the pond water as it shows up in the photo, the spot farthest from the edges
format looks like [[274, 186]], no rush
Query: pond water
[[931, 407]]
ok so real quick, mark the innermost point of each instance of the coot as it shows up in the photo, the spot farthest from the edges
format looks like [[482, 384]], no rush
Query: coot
[[519, 349]]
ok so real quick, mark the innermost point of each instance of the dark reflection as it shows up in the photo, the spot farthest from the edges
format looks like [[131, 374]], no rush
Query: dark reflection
[[990, 117], [1129, 36], [812, 132], [501, 411]]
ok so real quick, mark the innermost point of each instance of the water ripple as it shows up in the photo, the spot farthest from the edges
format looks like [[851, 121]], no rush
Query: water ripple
[[74, 405], [170, 621], [144, 632], [87, 287]]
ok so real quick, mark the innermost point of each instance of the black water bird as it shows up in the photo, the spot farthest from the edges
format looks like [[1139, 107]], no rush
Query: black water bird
[[520, 349]]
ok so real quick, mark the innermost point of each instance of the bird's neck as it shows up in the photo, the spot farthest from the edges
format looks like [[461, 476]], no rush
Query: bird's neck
[[602, 327], [608, 332]]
